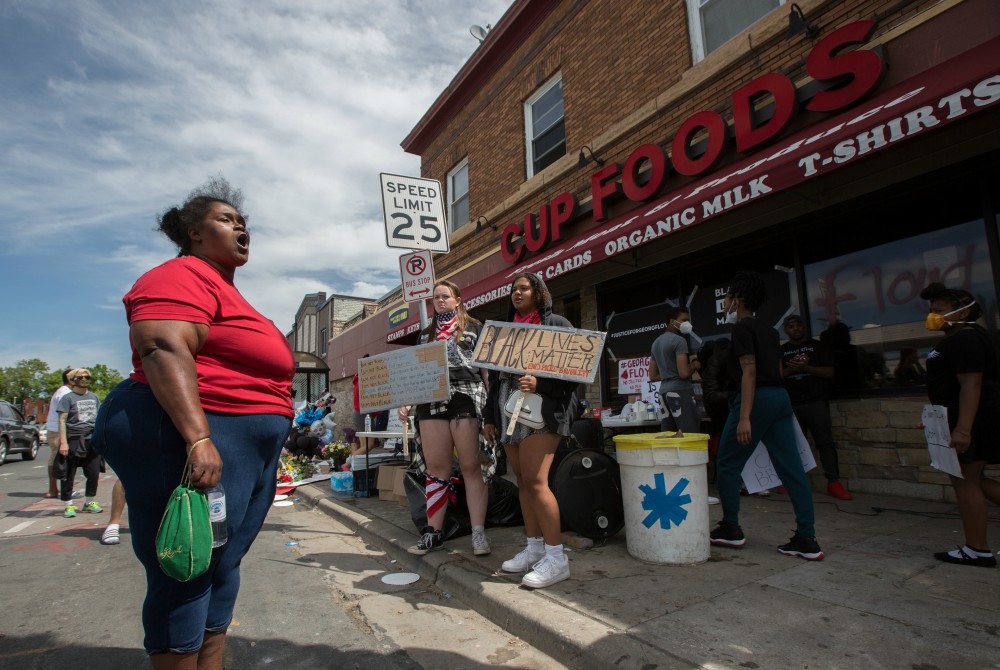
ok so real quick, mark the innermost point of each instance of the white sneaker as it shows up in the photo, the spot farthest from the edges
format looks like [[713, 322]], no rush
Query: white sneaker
[[712, 500], [523, 561], [480, 543], [546, 573]]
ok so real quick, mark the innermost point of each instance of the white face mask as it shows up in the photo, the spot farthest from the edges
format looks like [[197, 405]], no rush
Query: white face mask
[[731, 315], [685, 327]]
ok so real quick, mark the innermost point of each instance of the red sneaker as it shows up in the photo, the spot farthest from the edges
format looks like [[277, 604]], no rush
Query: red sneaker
[[781, 490], [837, 491]]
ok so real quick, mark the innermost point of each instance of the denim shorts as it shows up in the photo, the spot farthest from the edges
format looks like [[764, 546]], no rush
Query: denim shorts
[[139, 441], [460, 406]]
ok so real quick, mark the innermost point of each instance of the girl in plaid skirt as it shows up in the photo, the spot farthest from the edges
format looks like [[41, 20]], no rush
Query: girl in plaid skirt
[[453, 426]]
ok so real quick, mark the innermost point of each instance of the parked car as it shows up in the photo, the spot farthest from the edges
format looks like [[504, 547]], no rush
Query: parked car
[[18, 434]]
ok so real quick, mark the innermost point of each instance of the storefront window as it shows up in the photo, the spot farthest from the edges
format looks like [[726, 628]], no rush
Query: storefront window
[[867, 303]]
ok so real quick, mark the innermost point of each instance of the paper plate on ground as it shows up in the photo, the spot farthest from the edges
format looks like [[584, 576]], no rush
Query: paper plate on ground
[[280, 496], [400, 578], [283, 503]]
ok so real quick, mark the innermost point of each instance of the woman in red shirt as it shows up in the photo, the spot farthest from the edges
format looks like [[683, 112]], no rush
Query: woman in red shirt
[[211, 384]]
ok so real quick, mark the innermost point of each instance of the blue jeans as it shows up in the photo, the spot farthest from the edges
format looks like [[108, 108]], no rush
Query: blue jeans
[[770, 422], [139, 441]]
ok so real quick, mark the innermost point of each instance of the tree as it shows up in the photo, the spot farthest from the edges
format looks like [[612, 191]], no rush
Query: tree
[[25, 380], [33, 379], [103, 379], [53, 381]]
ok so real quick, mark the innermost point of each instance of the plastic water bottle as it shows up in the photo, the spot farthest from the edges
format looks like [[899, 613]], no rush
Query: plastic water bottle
[[368, 423], [217, 515]]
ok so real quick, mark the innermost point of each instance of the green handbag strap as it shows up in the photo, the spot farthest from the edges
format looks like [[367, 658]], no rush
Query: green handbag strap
[[186, 475]]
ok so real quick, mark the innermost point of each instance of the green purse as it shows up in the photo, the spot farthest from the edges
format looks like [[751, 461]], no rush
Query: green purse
[[184, 540]]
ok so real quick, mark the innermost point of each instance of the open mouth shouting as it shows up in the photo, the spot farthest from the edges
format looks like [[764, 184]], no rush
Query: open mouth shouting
[[243, 241]]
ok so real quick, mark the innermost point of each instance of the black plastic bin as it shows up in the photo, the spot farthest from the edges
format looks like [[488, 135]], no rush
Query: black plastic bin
[[366, 483]]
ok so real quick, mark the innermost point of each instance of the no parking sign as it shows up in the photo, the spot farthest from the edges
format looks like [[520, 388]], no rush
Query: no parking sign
[[416, 272]]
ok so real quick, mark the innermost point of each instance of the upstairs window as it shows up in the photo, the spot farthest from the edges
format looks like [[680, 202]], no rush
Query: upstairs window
[[458, 195], [712, 23], [544, 125]]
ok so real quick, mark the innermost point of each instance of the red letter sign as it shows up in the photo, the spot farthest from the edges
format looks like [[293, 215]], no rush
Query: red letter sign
[[718, 133], [750, 135], [863, 69]]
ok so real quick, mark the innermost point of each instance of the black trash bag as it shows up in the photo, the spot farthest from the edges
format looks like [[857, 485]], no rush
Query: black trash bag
[[504, 507], [456, 517]]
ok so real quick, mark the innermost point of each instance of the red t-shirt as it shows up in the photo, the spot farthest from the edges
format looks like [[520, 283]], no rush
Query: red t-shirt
[[246, 365]]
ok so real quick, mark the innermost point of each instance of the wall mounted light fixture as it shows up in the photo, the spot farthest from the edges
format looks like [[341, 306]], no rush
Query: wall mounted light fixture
[[582, 163], [480, 221], [797, 24]]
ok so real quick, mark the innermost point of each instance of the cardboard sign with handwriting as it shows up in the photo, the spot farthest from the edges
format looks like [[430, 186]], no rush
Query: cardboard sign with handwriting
[[547, 351], [409, 376]]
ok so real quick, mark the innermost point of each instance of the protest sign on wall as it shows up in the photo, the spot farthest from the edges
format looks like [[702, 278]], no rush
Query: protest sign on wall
[[547, 351], [404, 377], [633, 375]]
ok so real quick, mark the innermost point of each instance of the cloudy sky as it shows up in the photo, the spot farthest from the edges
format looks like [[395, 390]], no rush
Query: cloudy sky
[[112, 111]]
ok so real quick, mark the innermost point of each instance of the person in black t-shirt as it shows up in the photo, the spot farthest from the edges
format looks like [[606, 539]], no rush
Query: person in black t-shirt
[[759, 411], [807, 367], [962, 376], [846, 370]]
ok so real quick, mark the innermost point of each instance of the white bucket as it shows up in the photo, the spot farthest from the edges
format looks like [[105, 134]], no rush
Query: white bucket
[[665, 495]]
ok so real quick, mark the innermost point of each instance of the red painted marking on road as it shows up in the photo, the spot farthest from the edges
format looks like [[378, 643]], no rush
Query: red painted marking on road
[[49, 539], [76, 526], [43, 504], [55, 544]]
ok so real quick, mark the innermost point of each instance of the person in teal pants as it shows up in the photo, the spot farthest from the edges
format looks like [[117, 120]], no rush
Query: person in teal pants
[[759, 411]]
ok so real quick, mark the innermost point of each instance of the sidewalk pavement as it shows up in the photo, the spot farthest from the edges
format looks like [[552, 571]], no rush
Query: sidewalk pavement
[[878, 600]]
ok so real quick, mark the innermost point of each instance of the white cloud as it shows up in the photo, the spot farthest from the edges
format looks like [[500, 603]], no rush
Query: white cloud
[[122, 107]]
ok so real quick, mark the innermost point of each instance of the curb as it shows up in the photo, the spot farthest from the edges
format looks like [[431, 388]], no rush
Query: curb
[[567, 635]]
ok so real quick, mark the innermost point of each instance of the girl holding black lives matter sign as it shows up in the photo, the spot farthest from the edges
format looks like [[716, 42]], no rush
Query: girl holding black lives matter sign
[[530, 450], [453, 425]]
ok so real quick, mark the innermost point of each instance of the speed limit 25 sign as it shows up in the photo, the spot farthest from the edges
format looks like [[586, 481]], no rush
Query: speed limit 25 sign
[[414, 213]]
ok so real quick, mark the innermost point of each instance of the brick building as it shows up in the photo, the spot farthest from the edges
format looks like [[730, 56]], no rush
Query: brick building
[[636, 154], [318, 320]]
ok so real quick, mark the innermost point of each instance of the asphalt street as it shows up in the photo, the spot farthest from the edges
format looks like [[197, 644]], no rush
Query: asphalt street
[[312, 596]]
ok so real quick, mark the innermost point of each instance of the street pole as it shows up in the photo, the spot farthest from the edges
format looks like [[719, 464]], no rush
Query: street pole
[[424, 318]]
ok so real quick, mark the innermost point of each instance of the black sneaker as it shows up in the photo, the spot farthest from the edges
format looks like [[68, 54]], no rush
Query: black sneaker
[[727, 535], [960, 556], [430, 540], [803, 547]]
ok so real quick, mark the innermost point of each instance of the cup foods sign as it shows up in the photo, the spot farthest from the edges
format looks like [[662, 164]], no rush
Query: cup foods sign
[[853, 76]]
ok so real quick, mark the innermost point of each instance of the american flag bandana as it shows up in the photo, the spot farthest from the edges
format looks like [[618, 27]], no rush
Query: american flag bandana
[[439, 492], [447, 323]]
